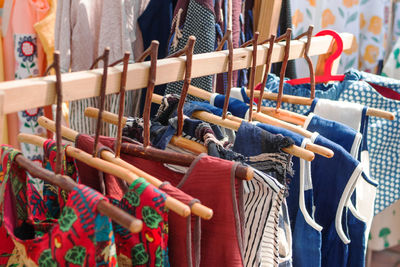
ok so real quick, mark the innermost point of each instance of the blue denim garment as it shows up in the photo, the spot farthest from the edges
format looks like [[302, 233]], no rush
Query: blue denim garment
[[303, 233], [383, 135], [252, 140], [236, 107], [329, 179], [357, 246], [356, 226], [337, 132], [306, 239], [215, 110]]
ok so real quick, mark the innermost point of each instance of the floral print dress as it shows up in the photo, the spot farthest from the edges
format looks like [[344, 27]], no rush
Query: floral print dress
[[80, 237], [149, 247], [142, 200]]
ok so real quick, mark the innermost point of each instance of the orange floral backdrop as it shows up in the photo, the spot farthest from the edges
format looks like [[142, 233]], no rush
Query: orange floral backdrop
[[366, 19]]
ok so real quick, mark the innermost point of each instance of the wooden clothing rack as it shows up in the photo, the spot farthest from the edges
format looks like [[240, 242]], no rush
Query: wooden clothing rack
[[38, 92]]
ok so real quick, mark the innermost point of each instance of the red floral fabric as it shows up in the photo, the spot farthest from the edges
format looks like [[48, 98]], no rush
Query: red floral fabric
[[142, 200], [53, 196], [149, 247], [80, 237]]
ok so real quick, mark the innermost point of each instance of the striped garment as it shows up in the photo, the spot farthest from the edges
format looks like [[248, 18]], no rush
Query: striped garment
[[263, 202]]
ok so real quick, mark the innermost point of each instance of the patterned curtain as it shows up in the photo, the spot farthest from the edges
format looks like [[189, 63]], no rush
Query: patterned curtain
[[366, 19]]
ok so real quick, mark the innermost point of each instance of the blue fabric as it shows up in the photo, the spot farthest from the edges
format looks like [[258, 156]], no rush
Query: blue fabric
[[236, 107], [306, 240], [252, 141], [356, 228], [383, 136], [357, 247], [155, 24], [303, 233], [337, 253], [207, 106], [329, 178], [293, 197], [335, 131]]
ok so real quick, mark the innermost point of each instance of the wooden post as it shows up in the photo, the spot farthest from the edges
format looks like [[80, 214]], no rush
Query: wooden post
[[266, 15]]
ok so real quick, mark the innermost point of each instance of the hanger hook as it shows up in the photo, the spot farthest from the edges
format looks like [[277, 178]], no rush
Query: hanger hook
[[308, 33], [227, 38], [287, 36], [60, 150], [188, 74], [122, 90], [271, 42], [253, 70], [99, 124], [153, 52]]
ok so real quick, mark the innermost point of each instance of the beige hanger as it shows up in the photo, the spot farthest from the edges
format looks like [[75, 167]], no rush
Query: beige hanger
[[131, 172], [298, 100], [124, 219], [234, 125], [272, 121]]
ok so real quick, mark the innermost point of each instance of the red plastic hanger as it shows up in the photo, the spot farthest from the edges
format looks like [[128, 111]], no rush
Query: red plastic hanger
[[327, 76]]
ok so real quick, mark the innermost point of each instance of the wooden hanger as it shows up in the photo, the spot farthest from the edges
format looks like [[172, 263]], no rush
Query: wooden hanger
[[262, 117], [104, 166], [122, 90], [234, 125], [176, 140], [326, 152], [119, 216], [64, 182], [253, 70], [126, 171], [197, 208], [148, 152], [326, 77]]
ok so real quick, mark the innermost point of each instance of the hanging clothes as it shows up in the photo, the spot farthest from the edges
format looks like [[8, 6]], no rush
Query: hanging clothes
[[155, 24], [220, 236], [331, 189], [140, 199], [45, 31], [54, 197], [79, 236], [111, 25], [262, 151], [197, 18], [300, 201], [365, 89]]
